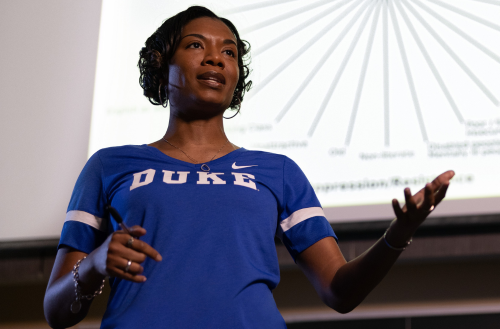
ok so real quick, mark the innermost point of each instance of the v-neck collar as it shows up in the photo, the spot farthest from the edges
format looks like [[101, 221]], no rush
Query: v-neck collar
[[225, 158]]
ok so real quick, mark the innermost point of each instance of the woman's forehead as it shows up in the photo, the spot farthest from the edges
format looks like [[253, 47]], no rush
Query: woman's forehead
[[208, 26]]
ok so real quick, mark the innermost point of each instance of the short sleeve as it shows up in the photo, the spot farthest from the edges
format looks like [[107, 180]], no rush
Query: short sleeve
[[302, 220], [85, 227]]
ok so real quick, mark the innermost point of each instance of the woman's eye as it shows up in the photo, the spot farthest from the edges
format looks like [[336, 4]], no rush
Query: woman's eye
[[230, 53], [195, 45]]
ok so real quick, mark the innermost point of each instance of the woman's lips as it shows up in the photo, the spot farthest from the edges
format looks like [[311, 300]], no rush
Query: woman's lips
[[212, 78]]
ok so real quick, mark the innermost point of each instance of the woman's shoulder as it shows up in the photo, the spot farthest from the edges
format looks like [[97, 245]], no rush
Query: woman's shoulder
[[113, 154], [265, 157], [121, 150], [257, 154]]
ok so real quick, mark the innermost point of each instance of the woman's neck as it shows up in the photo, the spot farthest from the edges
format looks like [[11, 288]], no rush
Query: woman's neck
[[201, 132], [195, 141]]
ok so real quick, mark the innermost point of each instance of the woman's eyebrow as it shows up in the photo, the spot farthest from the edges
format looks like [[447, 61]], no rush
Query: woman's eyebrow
[[229, 41], [202, 37]]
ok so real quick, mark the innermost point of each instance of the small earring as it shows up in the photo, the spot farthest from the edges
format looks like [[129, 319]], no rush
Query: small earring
[[159, 96]]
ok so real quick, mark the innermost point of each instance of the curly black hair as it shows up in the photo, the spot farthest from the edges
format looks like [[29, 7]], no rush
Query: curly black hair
[[162, 44]]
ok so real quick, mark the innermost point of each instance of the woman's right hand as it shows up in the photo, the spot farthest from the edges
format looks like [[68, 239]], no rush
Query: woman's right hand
[[110, 258], [113, 255]]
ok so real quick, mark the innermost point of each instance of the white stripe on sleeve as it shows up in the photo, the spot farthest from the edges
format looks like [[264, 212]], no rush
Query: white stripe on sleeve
[[300, 216], [86, 218]]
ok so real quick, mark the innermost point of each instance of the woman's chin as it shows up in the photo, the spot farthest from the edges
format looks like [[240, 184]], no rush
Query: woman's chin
[[200, 110], [211, 103]]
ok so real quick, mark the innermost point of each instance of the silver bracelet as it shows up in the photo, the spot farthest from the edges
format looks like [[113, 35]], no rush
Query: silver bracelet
[[77, 305], [394, 248]]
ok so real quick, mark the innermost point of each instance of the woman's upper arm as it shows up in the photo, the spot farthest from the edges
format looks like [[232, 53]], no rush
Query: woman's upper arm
[[319, 263], [66, 258]]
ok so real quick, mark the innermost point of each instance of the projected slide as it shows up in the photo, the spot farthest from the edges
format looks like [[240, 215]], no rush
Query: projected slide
[[367, 96]]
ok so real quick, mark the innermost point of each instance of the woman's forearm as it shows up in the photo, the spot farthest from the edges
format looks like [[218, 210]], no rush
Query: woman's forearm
[[120, 256], [356, 279], [61, 294], [343, 285]]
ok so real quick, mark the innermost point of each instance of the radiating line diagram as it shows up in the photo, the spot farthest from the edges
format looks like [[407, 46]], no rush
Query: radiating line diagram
[[372, 34]]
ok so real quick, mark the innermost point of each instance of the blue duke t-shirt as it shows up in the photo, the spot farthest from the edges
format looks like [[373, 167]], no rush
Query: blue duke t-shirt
[[215, 230]]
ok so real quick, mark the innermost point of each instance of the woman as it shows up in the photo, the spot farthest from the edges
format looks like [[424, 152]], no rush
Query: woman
[[205, 210]]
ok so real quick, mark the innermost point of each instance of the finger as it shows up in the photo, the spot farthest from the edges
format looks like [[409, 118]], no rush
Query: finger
[[143, 247], [441, 193], [137, 231], [134, 234], [121, 263], [119, 245], [137, 244], [444, 178], [125, 252], [397, 208], [410, 201], [119, 273], [419, 197], [428, 198]]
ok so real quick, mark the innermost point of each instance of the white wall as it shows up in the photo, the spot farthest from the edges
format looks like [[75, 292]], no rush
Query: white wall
[[47, 67]]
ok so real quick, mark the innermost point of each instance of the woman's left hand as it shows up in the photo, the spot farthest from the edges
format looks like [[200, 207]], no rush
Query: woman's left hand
[[417, 208]]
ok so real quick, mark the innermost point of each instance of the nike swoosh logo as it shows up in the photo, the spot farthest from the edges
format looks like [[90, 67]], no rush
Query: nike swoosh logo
[[241, 167]]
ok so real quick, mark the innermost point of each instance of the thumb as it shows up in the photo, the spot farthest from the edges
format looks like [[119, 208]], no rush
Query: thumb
[[137, 231]]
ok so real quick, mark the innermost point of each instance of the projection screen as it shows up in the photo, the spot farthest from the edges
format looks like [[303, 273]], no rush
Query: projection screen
[[367, 96]]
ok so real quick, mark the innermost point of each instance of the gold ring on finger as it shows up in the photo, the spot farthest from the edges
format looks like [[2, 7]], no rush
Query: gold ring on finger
[[129, 242], [127, 268]]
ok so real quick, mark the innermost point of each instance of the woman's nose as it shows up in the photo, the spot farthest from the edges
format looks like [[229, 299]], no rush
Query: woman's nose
[[214, 59]]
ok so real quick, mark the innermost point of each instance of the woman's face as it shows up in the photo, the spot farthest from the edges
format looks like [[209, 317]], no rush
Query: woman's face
[[204, 69]]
